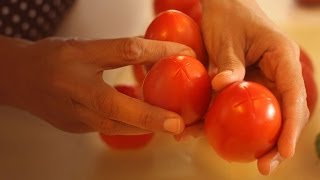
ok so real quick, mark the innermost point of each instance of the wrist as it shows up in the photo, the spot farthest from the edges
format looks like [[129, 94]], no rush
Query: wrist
[[11, 62]]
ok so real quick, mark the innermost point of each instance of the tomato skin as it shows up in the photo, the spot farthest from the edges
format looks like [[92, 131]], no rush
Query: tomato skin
[[126, 142], [306, 60], [243, 122], [177, 27], [190, 7], [180, 84]]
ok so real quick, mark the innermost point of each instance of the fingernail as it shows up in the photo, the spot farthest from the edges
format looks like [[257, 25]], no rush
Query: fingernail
[[172, 125], [226, 73], [274, 164], [188, 52]]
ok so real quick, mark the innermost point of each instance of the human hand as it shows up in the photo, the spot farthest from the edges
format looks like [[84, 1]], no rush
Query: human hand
[[238, 35], [60, 81]]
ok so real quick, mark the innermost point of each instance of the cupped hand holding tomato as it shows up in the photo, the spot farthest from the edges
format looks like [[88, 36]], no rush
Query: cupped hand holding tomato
[[125, 142], [234, 43], [243, 122]]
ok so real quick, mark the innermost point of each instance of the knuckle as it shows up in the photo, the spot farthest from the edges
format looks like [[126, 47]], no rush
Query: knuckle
[[108, 127], [106, 105], [145, 120], [132, 49]]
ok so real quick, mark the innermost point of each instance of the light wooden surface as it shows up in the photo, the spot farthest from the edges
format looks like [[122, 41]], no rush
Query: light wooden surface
[[32, 150]]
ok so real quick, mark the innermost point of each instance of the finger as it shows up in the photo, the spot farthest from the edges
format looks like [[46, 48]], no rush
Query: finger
[[105, 125], [115, 53], [278, 64], [269, 162], [230, 65], [116, 106], [190, 132]]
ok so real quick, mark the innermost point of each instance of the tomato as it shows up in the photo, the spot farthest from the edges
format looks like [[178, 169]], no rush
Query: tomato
[[190, 7], [177, 27], [180, 84], [243, 122], [305, 59], [123, 142]]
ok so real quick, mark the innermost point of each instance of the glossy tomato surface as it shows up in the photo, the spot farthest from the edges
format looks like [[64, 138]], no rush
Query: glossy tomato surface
[[177, 27], [180, 84], [123, 142], [243, 122], [190, 7]]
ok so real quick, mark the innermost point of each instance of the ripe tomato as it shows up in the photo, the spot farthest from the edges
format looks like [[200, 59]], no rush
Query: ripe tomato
[[123, 142], [180, 84], [190, 7], [243, 122], [305, 59], [177, 27]]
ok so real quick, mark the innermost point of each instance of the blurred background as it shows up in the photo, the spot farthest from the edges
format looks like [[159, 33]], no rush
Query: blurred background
[[32, 149]]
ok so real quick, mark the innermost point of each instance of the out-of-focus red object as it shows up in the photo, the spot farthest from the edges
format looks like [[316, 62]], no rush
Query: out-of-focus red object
[[309, 2]]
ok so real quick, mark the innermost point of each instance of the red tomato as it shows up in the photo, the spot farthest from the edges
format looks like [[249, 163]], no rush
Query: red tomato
[[180, 84], [190, 7], [305, 59], [123, 142], [177, 27], [243, 122]]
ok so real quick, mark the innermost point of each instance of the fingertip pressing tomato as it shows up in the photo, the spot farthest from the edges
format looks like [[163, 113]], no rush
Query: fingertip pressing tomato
[[190, 7], [243, 122], [180, 84], [124, 142], [177, 27]]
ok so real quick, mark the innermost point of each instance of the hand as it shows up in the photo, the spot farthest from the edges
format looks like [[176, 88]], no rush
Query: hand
[[60, 81], [238, 35]]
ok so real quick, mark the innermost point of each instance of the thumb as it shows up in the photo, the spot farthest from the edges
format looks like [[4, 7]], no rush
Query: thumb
[[230, 68]]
